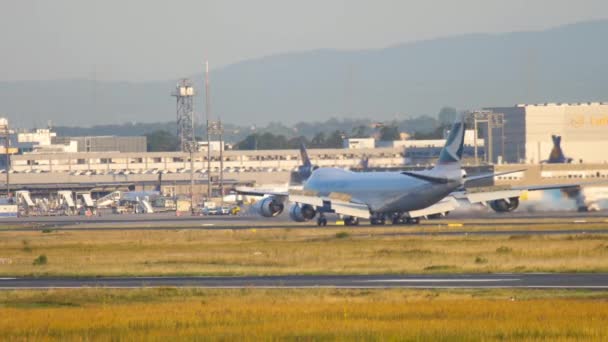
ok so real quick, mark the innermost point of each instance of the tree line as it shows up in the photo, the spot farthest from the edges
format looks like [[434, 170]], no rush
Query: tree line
[[329, 134]]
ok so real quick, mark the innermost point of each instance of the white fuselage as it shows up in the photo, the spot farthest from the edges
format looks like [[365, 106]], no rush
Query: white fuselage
[[385, 192]]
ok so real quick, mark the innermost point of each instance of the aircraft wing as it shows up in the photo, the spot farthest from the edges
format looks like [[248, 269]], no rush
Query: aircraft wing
[[491, 175], [486, 196], [249, 191], [351, 209], [339, 203], [344, 206], [561, 186], [443, 206], [480, 195]]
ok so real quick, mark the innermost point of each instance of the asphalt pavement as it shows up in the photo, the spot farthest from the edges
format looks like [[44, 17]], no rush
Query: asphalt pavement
[[598, 281]]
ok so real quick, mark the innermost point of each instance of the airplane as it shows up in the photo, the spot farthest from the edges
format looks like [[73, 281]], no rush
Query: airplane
[[587, 198], [273, 199], [141, 198], [403, 196], [557, 155]]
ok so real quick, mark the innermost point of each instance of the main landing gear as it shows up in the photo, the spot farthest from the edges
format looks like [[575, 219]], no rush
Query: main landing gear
[[321, 220], [400, 219], [351, 221], [378, 219]]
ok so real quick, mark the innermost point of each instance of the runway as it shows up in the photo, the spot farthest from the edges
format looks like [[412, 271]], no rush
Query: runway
[[489, 224], [159, 221], [597, 281]]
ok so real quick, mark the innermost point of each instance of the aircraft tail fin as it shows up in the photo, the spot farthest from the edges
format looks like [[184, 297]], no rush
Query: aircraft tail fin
[[304, 154], [454, 144], [304, 170], [557, 155]]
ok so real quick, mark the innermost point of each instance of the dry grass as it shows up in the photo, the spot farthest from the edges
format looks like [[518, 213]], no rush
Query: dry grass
[[162, 314], [292, 251]]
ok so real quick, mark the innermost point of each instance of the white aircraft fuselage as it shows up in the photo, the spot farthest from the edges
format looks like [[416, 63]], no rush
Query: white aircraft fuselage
[[387, 192]]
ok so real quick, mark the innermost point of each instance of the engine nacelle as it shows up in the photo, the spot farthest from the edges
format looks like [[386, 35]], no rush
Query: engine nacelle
[[505, 206], [269, 207], [301, 213]]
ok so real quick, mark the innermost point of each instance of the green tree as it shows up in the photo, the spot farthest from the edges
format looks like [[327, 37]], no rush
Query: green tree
[[249, 143], [360, 131], [437, 133], [318, 140], [161, 141], [335, 139], [447, 115], [264, 141], [389, 133], [294, 143]]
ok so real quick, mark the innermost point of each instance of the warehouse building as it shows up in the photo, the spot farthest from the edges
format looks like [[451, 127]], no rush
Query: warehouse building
[[105, 143], [528, 129]]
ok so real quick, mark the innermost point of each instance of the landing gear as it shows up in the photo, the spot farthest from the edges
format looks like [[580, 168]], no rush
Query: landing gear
[[397, 219], [351, 221], [378, 219], [413, 220], [400, 219], [321, 220]]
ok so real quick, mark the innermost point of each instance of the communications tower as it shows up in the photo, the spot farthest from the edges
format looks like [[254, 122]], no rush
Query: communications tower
[[184, 93]]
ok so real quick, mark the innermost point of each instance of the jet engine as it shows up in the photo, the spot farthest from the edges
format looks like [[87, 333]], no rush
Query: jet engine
[[269, 207], [504, 205], [301, 213]]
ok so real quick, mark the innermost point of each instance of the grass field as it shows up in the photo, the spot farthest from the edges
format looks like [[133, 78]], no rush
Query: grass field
[[189, 314], [291, 251]]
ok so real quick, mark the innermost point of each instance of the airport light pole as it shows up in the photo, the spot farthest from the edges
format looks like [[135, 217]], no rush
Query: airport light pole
[[6, 133], [216, 128], [191, 147], [208, 114]]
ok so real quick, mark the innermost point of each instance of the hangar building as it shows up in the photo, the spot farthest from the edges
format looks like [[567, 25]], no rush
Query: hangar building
[[528, 129]]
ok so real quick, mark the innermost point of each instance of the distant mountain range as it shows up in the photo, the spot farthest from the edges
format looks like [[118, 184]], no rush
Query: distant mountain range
[[564, 64]]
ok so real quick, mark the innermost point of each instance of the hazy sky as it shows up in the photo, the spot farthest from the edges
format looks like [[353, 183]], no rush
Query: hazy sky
[[139, 40]]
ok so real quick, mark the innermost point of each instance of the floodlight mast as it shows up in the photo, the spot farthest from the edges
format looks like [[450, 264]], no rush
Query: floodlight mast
[[208, 114]]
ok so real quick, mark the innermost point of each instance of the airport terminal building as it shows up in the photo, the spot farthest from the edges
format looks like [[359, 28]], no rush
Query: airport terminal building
[[528, 129]]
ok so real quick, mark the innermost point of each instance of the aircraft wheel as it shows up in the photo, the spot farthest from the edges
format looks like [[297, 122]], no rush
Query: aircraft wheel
[[321, 222], [377, 221], [351, 221]]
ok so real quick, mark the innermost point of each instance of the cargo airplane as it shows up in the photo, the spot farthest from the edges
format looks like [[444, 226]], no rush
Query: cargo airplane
[[397, 197], [586, 198]]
